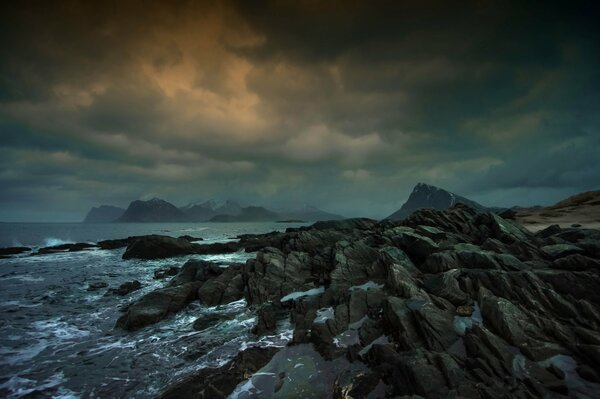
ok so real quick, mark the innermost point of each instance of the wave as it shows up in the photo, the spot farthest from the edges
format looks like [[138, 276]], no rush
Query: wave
[[52, 242]]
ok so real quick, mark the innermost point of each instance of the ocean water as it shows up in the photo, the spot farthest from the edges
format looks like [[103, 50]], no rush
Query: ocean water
[[57, 339]]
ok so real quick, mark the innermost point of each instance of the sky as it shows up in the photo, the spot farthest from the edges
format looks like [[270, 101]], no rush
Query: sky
[[344, 105]]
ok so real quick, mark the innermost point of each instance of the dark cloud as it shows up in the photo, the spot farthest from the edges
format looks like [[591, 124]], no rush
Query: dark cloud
[[345, 104]]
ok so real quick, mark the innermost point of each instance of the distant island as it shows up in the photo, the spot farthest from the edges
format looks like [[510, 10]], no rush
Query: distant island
[[157, 210]]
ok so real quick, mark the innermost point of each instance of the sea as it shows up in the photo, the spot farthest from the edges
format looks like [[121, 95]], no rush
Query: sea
[[58, 339]]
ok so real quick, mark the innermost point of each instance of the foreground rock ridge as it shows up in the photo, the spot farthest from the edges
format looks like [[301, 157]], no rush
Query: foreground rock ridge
[[449, 303], [444, 304]]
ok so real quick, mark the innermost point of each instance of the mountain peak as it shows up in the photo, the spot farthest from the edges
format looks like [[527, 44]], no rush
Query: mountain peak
[[428, 196]]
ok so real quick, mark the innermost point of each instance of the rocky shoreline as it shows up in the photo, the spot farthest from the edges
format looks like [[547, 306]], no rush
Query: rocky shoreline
[[449, 303]]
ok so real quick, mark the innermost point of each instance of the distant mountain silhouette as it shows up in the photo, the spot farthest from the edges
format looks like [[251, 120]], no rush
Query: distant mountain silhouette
[[202, 212], [426, 196], [308, 213], [103, 214], [158, 210], [248, 214], [154, 210]]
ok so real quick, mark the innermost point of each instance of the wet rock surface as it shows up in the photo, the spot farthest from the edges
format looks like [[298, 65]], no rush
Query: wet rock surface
[[450, 303], [220, 382], [156, 247]]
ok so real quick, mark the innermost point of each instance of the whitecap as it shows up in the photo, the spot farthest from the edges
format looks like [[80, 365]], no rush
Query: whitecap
[[52, 242]]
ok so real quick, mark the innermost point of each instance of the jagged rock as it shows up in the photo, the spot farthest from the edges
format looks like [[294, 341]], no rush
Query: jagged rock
[[350, 385], [409, 373], [354, 263], [226, 287], [190, 238], [118, 243], [13, 250], [561, 250], [164, 273], [273, 275], [97, 285], [506, 319], [208, 320], [196, 271], [266, 320], [416, 246], [575, 263], [470, 257], [156, 305], [549, 231], [156, 247], [464, 311], [215, 383], [125, 288], [80, 246], [446, 285], [217, 248]]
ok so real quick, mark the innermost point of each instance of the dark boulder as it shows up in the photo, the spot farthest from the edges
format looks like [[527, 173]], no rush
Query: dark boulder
[[125, 288], [66, 248], [13, 250], [224, 288], [164, 273], [156, 305], [208, 320], [97, 285], [156, 247]]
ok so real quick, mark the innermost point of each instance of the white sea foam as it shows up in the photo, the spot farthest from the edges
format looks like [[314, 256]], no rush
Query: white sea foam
[[366, 286], [300, 294], [23, 386], [54, 328], [17, 356], [52, 242], [24, 277]]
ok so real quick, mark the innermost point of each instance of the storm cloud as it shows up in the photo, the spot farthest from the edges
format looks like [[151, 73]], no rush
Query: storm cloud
[[344, 105]]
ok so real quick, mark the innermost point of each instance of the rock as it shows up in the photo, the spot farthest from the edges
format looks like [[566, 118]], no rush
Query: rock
[[217, 248], [118, 243], [588, 373], [575, 263], [549, 231], [125, 288], [190, 238], [156, 247], [156, 305], [97, 285], [351, 384], [164, 273], [266, 320], [208, 320], [560, 250], [416, 246], [470, 258], [80, 246], [225, 288], [273, 275], [464, 311], [196, 271], [446, 285], [506, 319], [215, 383], [13, 250]]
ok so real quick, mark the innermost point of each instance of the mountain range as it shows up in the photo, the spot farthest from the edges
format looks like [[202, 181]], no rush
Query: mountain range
[[582, 209], [157, 210]]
